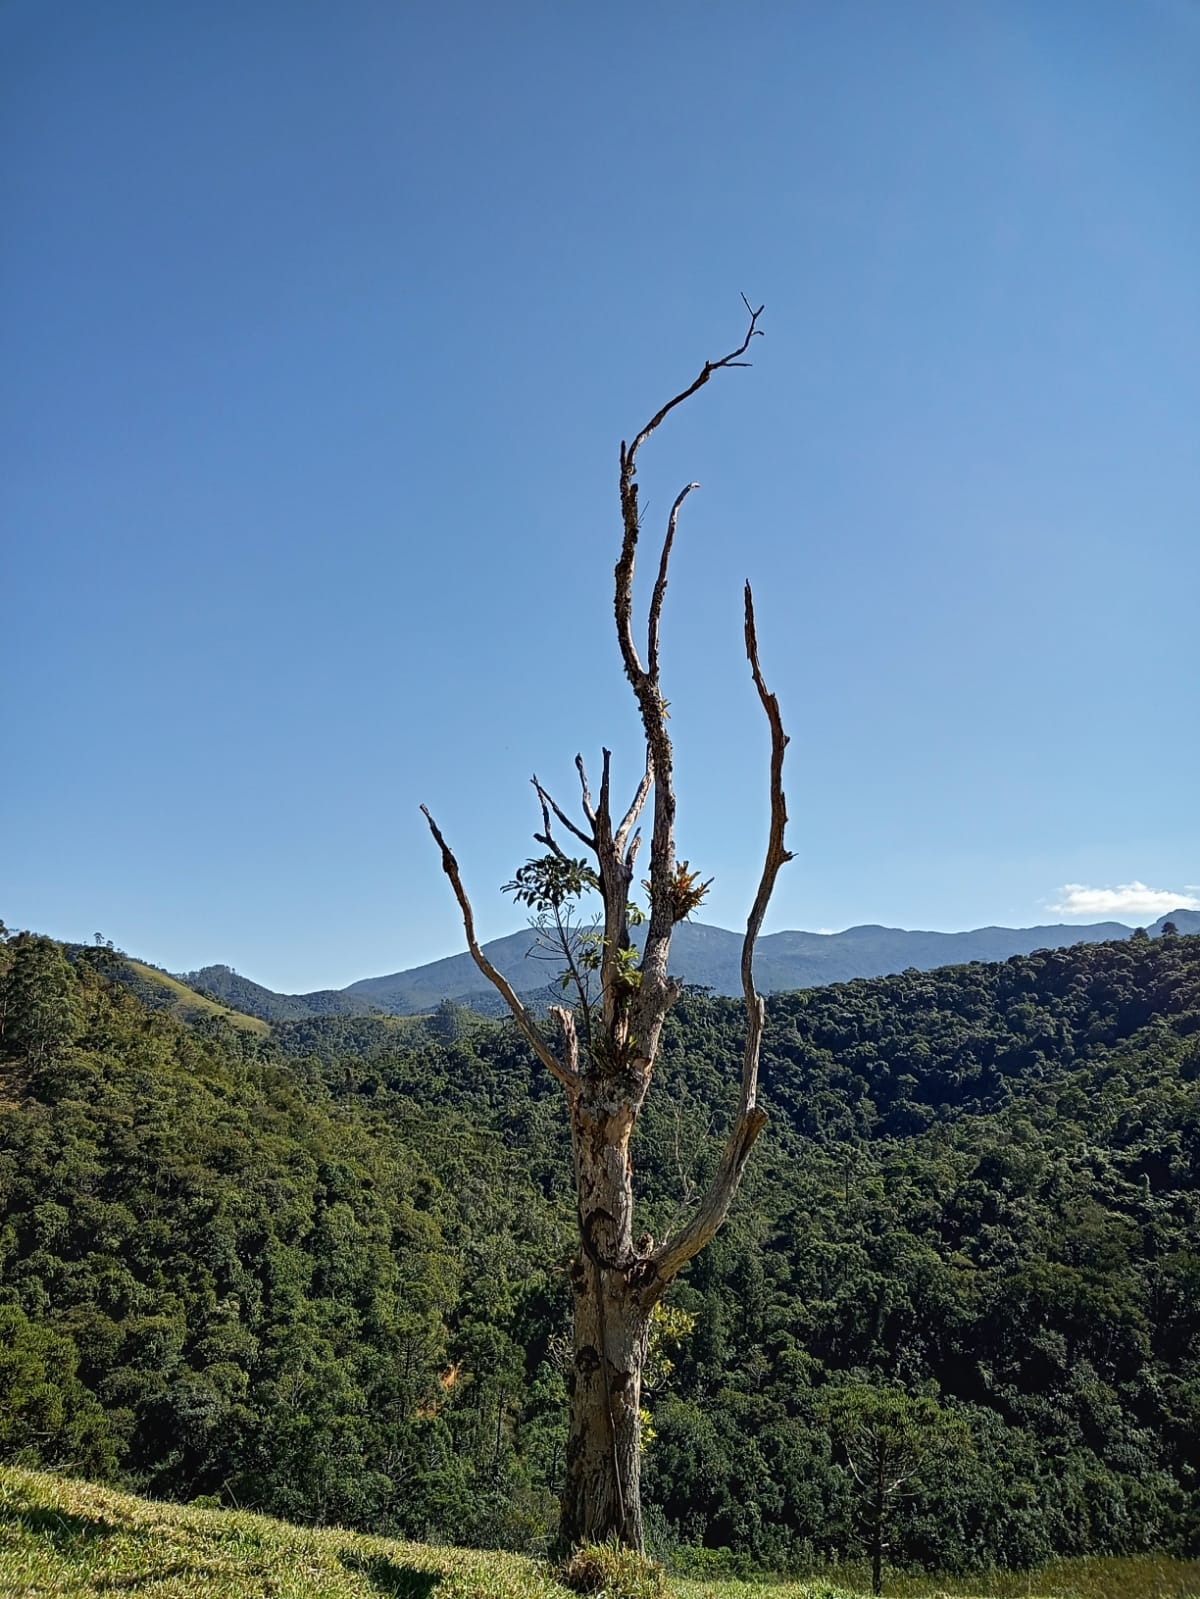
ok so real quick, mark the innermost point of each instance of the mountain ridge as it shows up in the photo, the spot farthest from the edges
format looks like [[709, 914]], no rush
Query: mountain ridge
[[702, 955]]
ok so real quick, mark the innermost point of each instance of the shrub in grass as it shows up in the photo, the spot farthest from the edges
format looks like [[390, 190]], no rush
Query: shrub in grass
[[616, 1572]]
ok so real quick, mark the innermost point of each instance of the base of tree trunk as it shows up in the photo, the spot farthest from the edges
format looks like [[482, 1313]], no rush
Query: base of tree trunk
[[602, 1496]]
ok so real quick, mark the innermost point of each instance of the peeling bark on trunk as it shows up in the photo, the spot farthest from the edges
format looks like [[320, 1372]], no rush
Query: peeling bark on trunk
[[605, 1065]]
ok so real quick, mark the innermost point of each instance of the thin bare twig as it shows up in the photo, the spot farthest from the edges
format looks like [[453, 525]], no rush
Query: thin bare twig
[[709, 367], [530, 1030], [660, 586], [546, 836], [588, 811], [635, 805]]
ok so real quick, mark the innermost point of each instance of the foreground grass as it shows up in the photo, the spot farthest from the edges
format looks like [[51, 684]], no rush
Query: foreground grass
[[72, 1540]]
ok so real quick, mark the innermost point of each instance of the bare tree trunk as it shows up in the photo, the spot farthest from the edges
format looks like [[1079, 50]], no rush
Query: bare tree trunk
[[613, 1291], [602, 1491], [605, 1073]]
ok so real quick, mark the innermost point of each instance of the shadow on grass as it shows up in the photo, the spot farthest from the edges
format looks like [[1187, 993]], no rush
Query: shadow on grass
[[386, 1577], [197, 1575], [56, 1526]]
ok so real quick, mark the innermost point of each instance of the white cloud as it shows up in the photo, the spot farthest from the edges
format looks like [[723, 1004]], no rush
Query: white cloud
[[1127, 899]]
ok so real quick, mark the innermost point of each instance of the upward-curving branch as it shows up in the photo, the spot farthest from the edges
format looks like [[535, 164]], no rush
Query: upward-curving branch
[[750, 1120]]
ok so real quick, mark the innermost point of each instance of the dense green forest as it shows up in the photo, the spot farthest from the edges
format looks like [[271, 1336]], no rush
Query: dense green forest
[[322, 1274]]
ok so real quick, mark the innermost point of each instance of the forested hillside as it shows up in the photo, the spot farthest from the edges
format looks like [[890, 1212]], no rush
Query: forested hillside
[[321, 1274], [702, 955], [255, 1000]]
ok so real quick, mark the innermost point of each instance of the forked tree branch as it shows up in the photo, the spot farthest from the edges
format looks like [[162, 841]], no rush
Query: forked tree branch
[[657, 990], [614, 889], [564, 946], [629, 494], [567, 1074], [546, 800], [546, 836], [750, 1119], [709, 367]]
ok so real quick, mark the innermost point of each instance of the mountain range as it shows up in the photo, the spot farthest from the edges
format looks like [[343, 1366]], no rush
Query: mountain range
[[701, 954]]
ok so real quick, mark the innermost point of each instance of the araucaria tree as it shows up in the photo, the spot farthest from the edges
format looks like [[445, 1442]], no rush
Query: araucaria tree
[[605, 1048]]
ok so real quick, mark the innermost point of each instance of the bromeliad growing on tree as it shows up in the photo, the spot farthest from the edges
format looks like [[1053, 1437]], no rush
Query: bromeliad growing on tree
[[605, 1052]]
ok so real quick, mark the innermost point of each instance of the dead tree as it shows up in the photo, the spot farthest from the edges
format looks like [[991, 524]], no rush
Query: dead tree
[[605, 1063]]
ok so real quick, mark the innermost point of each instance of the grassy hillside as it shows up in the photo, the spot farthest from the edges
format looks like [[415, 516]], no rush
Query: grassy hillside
[[71, 1540], [185, 1003], [61, 1539]]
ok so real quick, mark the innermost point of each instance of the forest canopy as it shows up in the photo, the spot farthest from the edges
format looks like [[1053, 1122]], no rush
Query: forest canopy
[[323, 1273]]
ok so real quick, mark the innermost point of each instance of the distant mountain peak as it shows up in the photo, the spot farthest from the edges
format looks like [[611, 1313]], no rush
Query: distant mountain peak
[[701, 953]]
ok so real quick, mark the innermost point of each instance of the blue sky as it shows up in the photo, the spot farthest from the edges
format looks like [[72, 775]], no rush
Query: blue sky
[[321, 325]]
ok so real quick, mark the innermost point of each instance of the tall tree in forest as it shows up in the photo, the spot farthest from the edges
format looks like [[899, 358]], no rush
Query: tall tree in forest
[[888, 1436], [605, 1051]]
